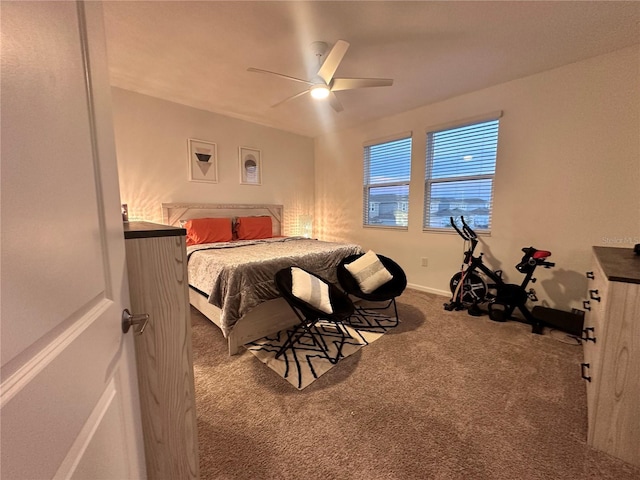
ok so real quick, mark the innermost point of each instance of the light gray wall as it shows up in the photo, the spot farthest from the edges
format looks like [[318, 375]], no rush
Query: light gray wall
[[568, 176], [151, 142]]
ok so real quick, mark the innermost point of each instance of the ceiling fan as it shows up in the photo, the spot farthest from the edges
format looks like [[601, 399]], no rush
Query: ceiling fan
[[323, 85]]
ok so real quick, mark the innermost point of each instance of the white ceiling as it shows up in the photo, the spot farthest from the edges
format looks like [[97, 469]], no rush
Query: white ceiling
[[197, 53]]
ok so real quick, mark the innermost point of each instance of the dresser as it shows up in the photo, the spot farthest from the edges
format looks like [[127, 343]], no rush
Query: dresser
[[611, 340], [157, 270]]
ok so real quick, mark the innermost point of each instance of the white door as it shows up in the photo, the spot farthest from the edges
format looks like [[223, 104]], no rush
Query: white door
[[69, 398]]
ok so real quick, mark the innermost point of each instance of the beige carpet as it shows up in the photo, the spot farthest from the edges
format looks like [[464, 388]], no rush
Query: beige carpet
[[442, 396]]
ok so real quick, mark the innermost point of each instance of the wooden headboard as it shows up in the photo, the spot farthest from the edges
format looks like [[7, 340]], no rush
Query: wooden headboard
[[173, 213]]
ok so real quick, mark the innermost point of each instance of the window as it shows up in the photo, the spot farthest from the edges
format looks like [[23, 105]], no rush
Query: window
[[461, 164], [387, 171]]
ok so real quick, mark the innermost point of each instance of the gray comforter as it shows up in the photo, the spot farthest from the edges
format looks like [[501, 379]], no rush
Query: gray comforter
[[238, 276]]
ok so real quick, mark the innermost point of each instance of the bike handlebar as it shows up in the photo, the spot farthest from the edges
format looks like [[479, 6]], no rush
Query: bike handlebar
[[453, 224], [467, 229], [467, 232]]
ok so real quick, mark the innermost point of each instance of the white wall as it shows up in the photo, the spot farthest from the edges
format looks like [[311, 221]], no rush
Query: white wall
[[151, 141], [568, 176]]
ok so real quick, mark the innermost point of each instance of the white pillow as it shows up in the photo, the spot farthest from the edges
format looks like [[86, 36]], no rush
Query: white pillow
[[369, 272], [310, 289]]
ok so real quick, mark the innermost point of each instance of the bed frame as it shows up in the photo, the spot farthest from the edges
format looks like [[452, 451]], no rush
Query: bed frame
[[265, 319]]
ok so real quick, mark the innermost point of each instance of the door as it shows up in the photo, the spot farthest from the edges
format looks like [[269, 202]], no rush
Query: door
[[69, 399]]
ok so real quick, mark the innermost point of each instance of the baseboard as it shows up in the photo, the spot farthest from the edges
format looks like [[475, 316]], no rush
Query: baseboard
[[444, 293]]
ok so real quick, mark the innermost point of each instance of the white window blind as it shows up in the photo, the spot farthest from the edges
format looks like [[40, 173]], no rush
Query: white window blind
[[460, 166], [387, 171]]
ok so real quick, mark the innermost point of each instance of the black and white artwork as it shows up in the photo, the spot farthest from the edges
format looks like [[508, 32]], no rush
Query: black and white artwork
[[203, 161], [250, 166]]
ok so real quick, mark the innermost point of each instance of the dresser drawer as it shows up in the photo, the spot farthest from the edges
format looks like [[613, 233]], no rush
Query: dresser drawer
[[611, 341], [593, 335], [595, 304]]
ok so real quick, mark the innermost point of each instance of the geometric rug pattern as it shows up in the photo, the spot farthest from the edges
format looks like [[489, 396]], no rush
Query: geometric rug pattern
[[303, 363]]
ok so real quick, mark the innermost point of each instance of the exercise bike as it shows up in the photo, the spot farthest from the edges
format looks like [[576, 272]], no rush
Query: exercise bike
[[469, 288]]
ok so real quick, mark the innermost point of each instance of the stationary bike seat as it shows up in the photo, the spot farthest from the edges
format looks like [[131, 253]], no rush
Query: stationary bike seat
[[541, 254], [536, 254]]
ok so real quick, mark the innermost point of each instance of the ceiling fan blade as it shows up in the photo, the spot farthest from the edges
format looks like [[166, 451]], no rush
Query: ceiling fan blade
[[330, 64], [257, 70], [351, 83], [335, 103], [290, 98]]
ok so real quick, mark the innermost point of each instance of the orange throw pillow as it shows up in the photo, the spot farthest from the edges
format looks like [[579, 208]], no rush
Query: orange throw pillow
[[254, 228], [208, 230]]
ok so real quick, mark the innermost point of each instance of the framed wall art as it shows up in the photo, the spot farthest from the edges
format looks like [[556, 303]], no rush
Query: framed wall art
[[203, 161], [250, 166]]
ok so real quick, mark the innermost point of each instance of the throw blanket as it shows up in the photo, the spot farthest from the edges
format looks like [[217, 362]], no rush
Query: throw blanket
[[238, 276]]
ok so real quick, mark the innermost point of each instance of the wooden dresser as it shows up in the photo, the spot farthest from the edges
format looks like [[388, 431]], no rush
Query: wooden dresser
[[157, 268], [611, 339]]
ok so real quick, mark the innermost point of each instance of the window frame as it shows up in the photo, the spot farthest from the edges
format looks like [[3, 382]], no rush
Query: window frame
[[366, 186], [429, 181]]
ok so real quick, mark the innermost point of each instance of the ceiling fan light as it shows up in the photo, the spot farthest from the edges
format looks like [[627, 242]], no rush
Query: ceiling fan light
[[319, 91]]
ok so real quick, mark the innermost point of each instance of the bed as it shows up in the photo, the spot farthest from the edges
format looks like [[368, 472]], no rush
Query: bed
[[231, 283]]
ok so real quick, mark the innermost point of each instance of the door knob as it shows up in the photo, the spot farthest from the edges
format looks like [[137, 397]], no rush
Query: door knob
[[129, 320]]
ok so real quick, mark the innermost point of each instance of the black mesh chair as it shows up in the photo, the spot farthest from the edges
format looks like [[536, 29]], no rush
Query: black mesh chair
[[387, 292], [309, 315]]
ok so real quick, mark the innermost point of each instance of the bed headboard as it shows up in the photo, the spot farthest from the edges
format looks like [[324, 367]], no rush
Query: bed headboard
[[172, 213]]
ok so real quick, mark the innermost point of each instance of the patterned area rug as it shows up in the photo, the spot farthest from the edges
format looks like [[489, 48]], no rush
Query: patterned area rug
[[304, 363]]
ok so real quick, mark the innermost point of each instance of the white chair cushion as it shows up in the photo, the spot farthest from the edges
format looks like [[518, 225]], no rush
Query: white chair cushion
[[310, 289], [369, 272]]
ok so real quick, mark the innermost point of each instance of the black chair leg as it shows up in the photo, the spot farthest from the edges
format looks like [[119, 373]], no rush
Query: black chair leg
[[307, 327], [395, 308], [296, 334], [343, 334], [365, 310]]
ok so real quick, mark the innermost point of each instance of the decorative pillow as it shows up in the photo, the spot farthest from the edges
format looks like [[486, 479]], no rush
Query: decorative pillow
[[310, 289], [208, 230], [254, 228], [369, 272]]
